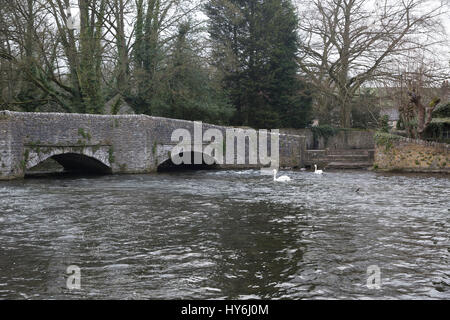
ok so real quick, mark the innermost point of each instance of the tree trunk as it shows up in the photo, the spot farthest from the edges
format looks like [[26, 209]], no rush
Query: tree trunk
[[122, 52], [91, 21], [345, 114], [424, 114]]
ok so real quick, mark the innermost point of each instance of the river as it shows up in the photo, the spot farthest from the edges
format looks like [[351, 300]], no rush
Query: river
[[226, 235]]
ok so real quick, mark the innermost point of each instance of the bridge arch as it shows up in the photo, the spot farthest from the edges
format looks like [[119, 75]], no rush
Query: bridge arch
[[166, 164], [73, 159]]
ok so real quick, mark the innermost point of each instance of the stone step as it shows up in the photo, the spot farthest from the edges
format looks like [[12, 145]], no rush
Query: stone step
[[341, 159], [361, 160], [349, 165], [348, 157], [350, 151]]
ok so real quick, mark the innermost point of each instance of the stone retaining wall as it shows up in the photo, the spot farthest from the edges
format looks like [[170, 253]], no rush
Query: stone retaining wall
[[395, 153], [342, 140]]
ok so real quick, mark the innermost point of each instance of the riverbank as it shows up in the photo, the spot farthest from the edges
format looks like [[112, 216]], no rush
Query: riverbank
[[398, 154]]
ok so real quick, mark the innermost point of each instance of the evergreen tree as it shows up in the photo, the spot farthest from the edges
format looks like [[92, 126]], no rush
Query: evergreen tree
[[255, 46]]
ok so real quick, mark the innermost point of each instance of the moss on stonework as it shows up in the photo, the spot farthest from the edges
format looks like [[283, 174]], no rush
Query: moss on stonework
[[95, 149], [111, 157], [324, 132], [85, 135], [155, 145], [385, 139], [35, 146], [23, 163]]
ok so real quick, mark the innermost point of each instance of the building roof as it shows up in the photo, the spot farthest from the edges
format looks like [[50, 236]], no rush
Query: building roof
[[393, 113]]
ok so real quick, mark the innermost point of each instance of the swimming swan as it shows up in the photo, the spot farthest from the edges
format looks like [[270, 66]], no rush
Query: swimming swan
[[317, 171], [280, 179]]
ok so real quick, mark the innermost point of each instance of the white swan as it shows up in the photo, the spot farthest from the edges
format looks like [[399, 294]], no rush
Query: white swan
[[280, 179], [317, 171]]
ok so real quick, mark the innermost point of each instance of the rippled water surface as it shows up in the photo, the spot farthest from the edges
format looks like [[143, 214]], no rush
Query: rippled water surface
[[226, 234]]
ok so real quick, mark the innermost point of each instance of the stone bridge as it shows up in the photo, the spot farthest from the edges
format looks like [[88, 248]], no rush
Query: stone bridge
[[106, 144]]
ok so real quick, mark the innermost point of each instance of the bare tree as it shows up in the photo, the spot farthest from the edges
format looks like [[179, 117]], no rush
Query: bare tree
[[346, 44], [123, 48], [155, 28], [115, 47], [139, 35], [28, 53], [420, 90], [83, 51]]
